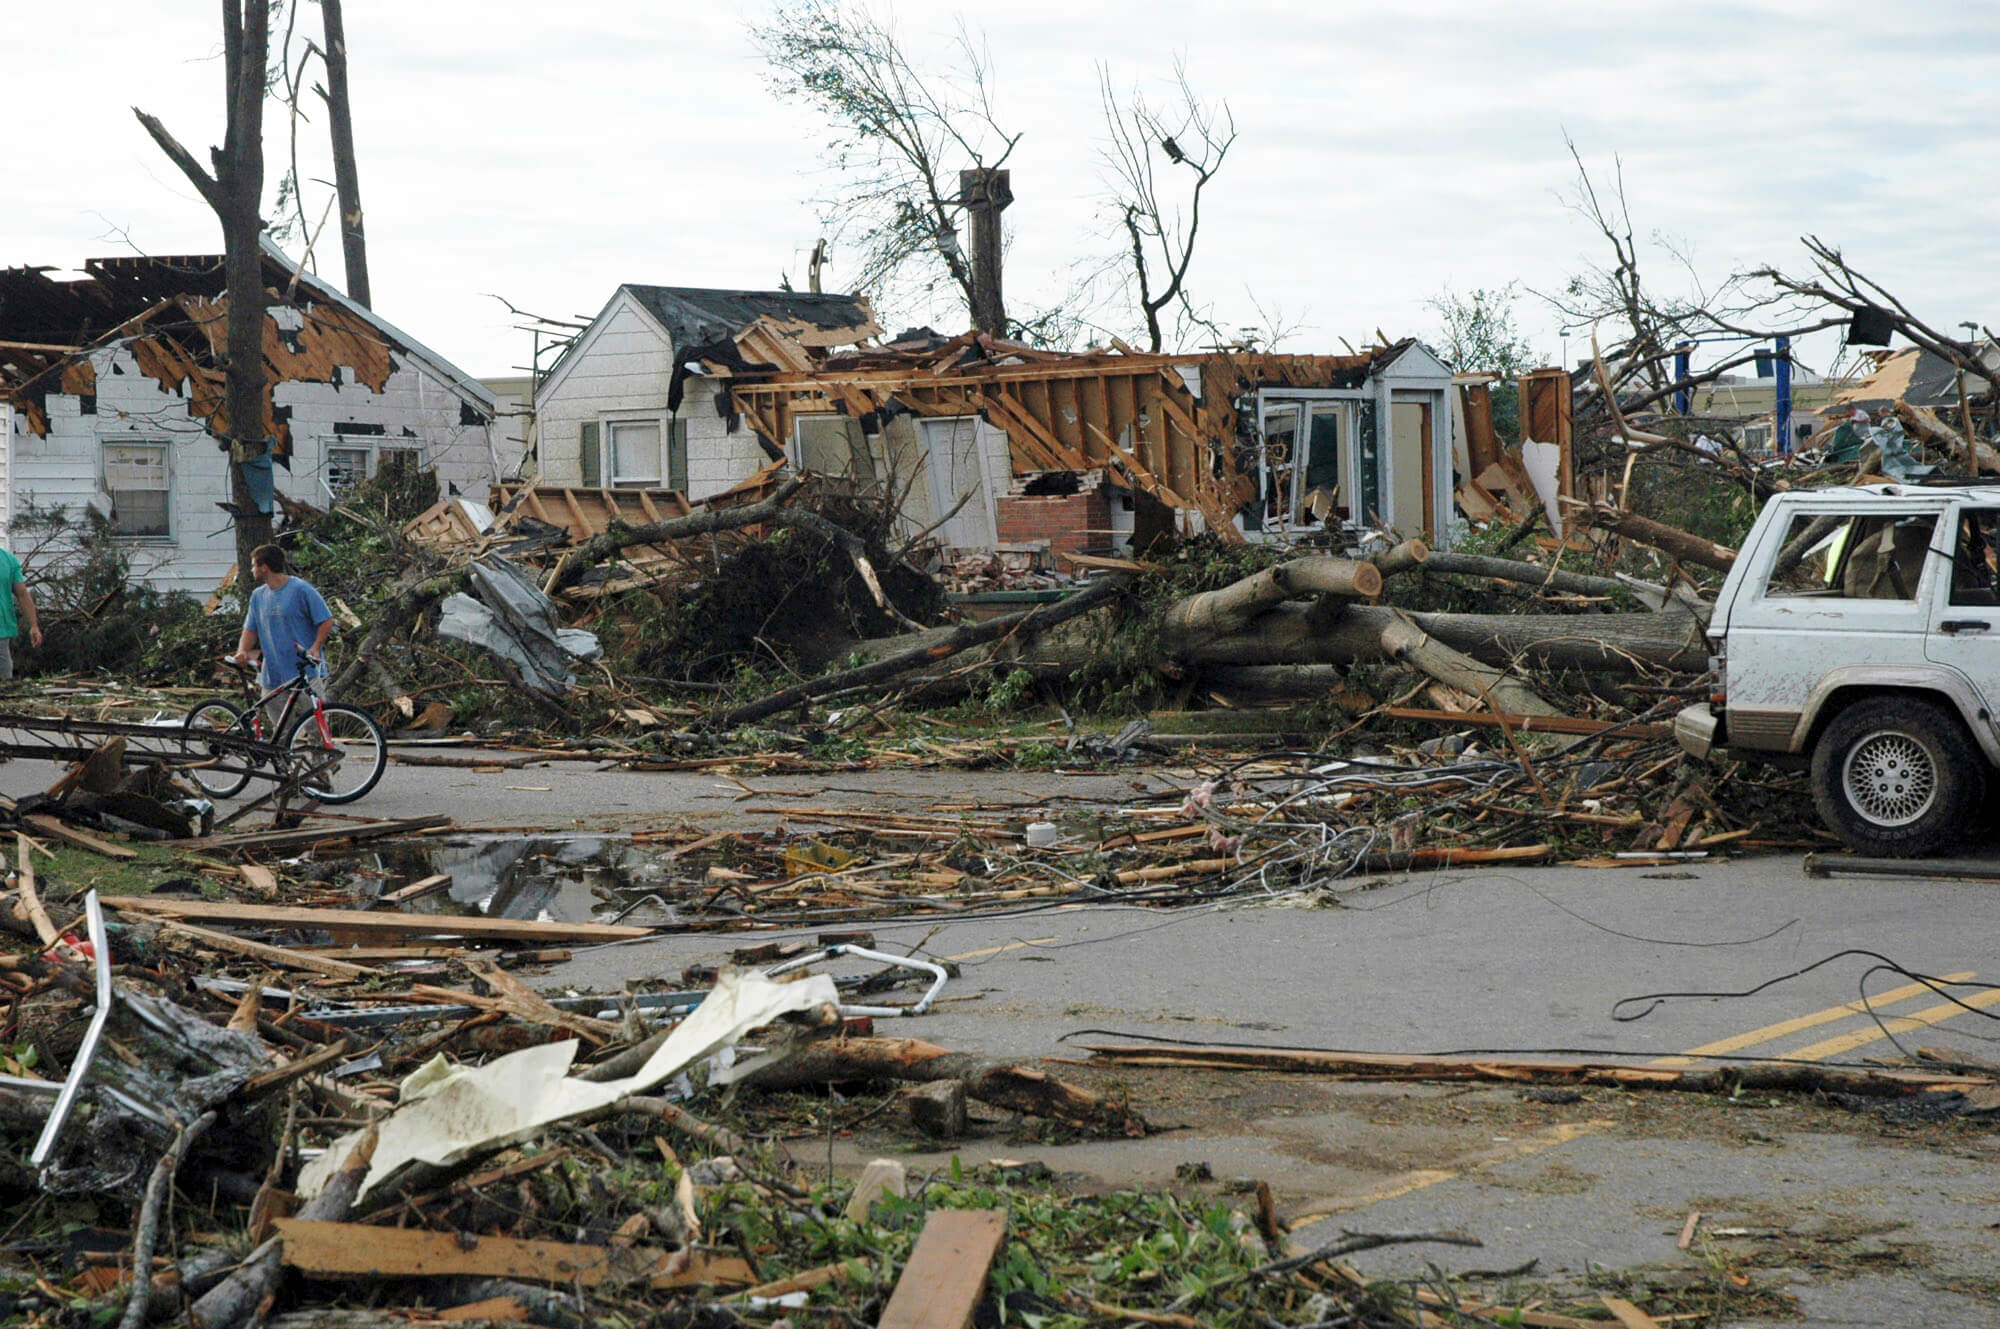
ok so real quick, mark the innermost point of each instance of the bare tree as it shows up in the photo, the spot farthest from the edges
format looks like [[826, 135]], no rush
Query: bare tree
[[235, 191], [900, 139], [1836, 282], [1158, 162], [347, 180]]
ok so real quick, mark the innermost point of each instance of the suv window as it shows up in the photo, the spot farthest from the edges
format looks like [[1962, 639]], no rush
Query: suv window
[[1975, 568], [1852, 556]]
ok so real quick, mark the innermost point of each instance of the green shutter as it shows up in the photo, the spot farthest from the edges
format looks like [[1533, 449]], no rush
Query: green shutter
[[677, 455], [593, 469]]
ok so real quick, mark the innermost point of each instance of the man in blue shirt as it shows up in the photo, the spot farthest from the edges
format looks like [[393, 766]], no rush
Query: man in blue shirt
[[286, 616]]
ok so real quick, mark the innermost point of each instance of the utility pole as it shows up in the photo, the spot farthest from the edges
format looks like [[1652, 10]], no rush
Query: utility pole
[[985, 193], [346, 183]]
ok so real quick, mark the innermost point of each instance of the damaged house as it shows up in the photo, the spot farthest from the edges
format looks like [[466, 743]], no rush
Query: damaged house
[[111, 398], [992, 443]]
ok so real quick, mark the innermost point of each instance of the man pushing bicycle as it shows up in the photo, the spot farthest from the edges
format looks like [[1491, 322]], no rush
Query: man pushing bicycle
[[285, 612]]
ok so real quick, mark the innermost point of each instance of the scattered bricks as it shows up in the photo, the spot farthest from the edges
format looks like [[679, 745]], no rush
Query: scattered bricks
[[938, 1109]]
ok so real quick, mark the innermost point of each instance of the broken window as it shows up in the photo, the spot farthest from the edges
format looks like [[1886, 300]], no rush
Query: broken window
[[835, 445], [1852, 556], [136, 477], [346, 469], [1975, 563]]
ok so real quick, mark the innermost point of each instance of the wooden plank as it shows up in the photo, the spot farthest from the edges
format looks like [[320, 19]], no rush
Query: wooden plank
[[1630, 1316], [374, 924], [358, 1250], [941, 1284], [68, 834], [416, 890], [271, 955], [309, 836], [31, 900]]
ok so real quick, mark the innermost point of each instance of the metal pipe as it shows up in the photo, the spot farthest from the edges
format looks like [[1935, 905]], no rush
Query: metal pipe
[[100, 945], [898, 961]]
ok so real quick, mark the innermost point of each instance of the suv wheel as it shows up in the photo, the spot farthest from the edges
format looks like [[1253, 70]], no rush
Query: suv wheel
[[1897, 776]]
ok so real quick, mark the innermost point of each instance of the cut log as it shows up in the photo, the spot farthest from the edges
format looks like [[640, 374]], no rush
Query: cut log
[[1233, 607], [999, 1083], [1403, 557]]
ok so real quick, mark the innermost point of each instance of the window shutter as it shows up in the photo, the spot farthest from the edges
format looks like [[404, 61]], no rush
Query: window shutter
[[593, 467], [677, 456]]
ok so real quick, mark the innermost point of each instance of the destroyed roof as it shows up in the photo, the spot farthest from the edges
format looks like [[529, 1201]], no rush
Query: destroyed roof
[[695, 315], [44, 321], [1915, 376]]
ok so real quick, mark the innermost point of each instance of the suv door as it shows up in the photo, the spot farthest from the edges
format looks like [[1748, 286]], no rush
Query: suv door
[[1965, 633], [1845, 586]]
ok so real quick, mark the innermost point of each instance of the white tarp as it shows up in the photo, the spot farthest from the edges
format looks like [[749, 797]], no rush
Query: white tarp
[[449, 1111]]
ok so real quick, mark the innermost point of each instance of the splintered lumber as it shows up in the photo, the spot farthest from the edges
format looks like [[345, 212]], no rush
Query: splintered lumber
[[942, 1283], [365, 923], [416, 890], [1235, 606], [277, 956], [311, 836], [242, 1295], [1531, 724], [357, 1250], [1447, 856], [59, 830], [1001, 1084], [1671, 540], [1799, 1076], [31, 900]]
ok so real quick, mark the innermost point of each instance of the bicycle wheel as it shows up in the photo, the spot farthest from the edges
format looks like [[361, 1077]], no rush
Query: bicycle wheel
[[358, 741], [204, 722]]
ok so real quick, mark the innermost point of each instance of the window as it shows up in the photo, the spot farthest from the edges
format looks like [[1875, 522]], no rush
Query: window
[[591, 459], [404, 462], [1975, 569], [135, 475], [1852, 556], [633, 456], [835, 445], [346, 468]]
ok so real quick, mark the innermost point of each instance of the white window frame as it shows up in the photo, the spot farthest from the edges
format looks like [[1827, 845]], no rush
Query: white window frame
[[166, 450], [371, 446], [607, 476]]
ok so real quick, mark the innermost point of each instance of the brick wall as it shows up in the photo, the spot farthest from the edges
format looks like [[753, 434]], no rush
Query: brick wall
[[1072, 522]]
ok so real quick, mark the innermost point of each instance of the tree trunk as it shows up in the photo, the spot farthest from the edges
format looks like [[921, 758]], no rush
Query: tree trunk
[[929, 648], [347, 183], [1403, 557], [1234, 607], [1979, 457], [1667, 539]]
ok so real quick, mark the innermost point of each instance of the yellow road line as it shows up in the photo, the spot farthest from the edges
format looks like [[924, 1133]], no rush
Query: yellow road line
[[995, 950], [1804, 1022], [1833, 1047], [1404, 1183]]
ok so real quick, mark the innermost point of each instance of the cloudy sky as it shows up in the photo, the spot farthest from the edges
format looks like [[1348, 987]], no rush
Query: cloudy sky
[[1387, 152]]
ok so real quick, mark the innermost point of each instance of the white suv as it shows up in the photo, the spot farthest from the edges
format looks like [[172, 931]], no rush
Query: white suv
[[1859, 631]]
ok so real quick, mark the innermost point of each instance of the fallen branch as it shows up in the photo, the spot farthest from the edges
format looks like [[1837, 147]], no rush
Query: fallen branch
[[930, 650], [146, 1238], [1234, 607], [1001, 1084]]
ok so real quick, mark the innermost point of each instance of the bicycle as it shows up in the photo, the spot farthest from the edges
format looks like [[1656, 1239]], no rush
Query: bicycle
[[360, 753]]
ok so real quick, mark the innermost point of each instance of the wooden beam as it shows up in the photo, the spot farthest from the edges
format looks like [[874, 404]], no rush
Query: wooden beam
[[276, 956], [358, 1250], [941, 1284], [374, 924]]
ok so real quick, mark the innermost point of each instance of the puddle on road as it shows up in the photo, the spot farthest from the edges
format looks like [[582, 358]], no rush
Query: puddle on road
[[552, 879]]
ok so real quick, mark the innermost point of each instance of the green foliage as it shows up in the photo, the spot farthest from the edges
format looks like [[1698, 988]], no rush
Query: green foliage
[[1478, 334]]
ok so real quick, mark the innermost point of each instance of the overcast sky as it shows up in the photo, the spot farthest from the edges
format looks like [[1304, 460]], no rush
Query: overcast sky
[[1387, 152]]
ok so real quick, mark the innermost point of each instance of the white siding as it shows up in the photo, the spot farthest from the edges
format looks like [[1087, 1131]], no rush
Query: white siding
[[65, 468], [623, 367]]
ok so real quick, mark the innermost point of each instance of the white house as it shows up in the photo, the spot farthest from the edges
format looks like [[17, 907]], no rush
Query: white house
[[112, 385], [634, 401]]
